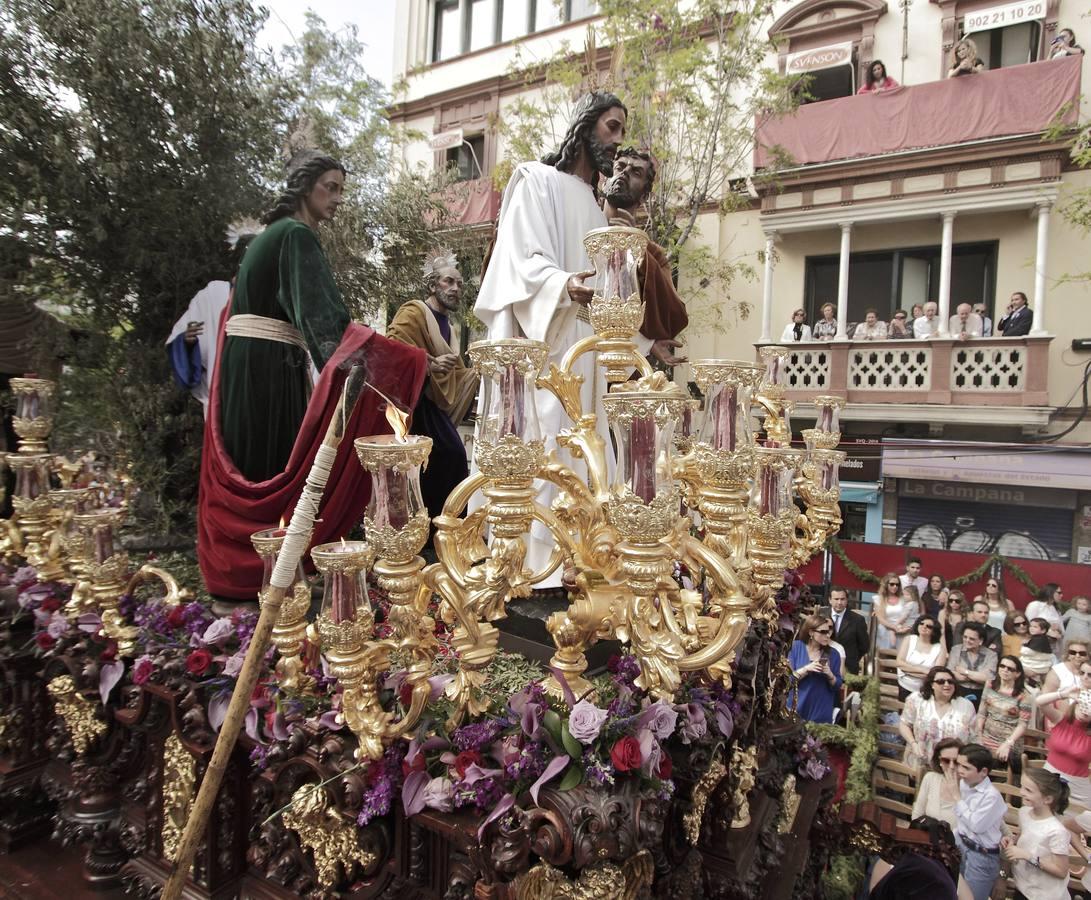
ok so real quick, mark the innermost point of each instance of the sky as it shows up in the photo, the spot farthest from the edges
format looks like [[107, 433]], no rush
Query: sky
[[374, 20]]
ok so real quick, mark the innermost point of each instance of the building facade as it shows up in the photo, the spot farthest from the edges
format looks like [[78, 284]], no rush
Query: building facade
[[945, 189]]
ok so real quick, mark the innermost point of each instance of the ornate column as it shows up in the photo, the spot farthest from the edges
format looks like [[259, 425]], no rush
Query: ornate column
[[767, 290], [1038, 327], [843, 282], [945, 275]]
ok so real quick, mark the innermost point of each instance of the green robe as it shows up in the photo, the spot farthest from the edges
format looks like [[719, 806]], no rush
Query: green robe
[[265, 385]]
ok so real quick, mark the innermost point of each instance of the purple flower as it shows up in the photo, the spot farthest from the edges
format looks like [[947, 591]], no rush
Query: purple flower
[[218, 632], [233, 664], [650, 751], [660, 719], [586, 721], [58, 626], [814, 769], [725, 719], [529, 705], [694, 725], [439, 794], [476, 736], [597, 771]]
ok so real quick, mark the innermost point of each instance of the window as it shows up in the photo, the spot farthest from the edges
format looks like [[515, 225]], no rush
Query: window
[[829, 84], [896, 279], [462, 26], [1010, 46], [467, 157]]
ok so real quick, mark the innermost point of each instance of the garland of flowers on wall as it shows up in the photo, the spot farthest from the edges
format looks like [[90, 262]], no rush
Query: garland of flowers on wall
[[862, 574]]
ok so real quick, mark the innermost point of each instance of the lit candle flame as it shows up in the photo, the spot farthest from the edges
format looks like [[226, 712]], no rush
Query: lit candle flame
[[399, 421], [281, 525]]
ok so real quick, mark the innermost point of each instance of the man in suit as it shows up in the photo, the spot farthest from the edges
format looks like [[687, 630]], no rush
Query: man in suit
[[850, 629], [1019, 318], [991, 637]]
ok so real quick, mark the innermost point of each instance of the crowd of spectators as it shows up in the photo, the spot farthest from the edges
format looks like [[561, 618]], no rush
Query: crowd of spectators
[[970, 321], [974, 677]]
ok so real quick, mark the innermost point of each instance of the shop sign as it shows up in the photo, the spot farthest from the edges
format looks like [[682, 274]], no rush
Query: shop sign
[[445, 140], [819, 58], [1003, 494], [1002, 16], [863, 458], [1023, 466]]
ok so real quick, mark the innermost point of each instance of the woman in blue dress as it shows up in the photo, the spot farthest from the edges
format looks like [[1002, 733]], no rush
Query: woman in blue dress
[[816, 670]]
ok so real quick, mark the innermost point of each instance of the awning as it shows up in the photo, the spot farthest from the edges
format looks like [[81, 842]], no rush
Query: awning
[[1025, 465]]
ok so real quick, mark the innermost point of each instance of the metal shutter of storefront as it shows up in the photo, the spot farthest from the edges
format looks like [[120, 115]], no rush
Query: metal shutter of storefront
[[1049, 526]]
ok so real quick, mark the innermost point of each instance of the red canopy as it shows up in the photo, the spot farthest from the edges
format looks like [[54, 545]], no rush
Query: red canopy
[[230, 508]]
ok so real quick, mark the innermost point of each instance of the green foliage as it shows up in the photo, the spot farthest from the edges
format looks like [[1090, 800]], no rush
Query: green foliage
[[694, 79], [134, 132]]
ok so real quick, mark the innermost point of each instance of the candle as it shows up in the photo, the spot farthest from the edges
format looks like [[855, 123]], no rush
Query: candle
[[344, 593], [103, 540], [827, 475], [725, 418], [642, 453], [391, 503], [512, 402], [825, 418]]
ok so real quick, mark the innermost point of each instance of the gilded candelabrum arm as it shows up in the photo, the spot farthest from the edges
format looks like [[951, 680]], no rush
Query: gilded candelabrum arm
[[175, 593], [772, 410], [589, 617], [733, 605], [585, 510], [807, 541], [453, 600], [587, 444]]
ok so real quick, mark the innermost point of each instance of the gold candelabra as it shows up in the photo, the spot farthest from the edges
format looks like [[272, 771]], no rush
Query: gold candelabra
[[725, 508]]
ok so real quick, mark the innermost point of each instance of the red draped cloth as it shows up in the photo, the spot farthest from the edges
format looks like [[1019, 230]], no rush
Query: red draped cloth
[[230, 508]]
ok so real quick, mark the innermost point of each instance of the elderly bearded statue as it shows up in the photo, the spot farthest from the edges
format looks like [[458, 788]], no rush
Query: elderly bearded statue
[[451, 386]]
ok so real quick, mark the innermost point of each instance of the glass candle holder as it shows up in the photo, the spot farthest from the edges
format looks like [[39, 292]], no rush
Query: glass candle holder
[[31, 474], [509, 370], [826, 434], [643, 424], [267, 544], [344, 565], [774, 474], [33, 397], [395, 503], [97, 527], [728, 386], [775, 379], [824, 469]]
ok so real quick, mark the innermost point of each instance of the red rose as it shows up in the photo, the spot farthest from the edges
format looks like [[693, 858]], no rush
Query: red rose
[[625, 754], [665, 767], [109, 652], [405, 693], [50, 604], [176, 617], [466, 759], [198, 661], [45, 640]]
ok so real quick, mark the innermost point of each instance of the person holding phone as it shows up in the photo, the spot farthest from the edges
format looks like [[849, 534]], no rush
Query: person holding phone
[[816, 670]]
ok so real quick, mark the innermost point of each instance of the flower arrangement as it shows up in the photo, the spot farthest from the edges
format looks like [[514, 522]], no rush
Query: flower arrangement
[[528, 741]]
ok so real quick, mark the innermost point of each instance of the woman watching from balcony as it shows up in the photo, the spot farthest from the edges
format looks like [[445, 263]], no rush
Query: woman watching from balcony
[[932, 714], [1016, 633], [876, 79], [964, 60], [934, 598], [825, 329], [918, 653], [797, 330], [871, 329], [1064, 44], [898, 330]]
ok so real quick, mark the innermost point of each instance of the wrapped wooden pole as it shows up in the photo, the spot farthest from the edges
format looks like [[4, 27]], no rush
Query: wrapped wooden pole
[[295, 544]]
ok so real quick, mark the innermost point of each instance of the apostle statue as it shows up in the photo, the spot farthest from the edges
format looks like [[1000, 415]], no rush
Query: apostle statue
[[664, 312], [266, 416], [451, 385]]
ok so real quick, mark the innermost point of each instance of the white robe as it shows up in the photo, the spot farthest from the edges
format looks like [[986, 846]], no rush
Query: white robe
[[205, 307], [544, 216]]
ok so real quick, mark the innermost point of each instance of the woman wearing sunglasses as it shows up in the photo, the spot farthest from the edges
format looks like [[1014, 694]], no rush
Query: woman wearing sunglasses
[[816, 670], [951, 617], [917, 654], [1000, 607], [1004, 713], [938, 791], [1016, 632], [1068, 747], [896, 608], [932, 714]]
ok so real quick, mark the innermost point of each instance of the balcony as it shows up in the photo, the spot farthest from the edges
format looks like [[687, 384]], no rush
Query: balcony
[[471, 202], [1009, 102], [949, 375]]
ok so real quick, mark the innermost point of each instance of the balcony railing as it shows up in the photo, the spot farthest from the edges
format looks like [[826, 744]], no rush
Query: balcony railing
[[978, 372], [1017, 100]]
